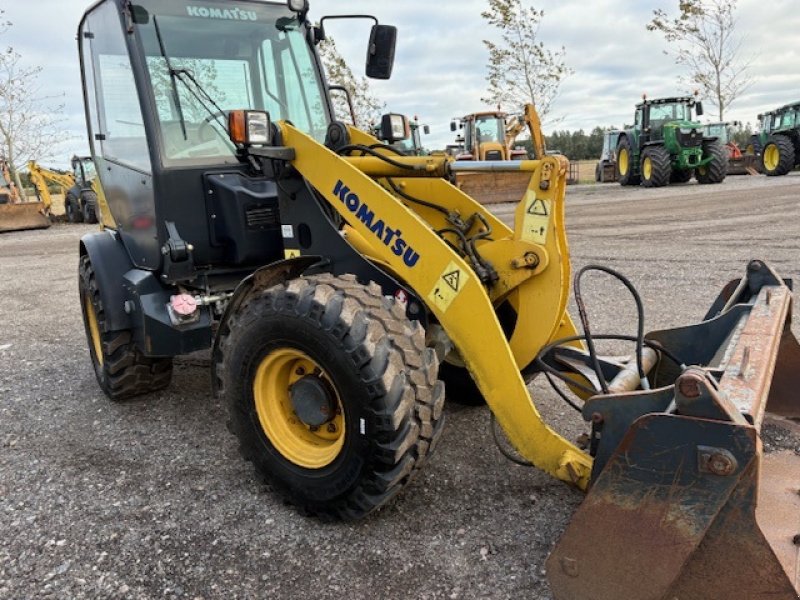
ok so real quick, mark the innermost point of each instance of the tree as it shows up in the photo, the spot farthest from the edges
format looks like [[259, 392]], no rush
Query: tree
[[29, 124], [366, 106], [705, 42], [520, 68]]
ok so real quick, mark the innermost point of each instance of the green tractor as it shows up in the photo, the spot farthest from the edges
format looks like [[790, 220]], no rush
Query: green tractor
[[778, 141], [409, 141], [666, 146]]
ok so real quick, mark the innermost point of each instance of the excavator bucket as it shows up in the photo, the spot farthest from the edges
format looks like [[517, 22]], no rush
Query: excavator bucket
[[25, 215], [684, 502]]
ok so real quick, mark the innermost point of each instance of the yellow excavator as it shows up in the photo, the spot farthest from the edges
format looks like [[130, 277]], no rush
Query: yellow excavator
[[80, 187], [344, 289], [16, 214]]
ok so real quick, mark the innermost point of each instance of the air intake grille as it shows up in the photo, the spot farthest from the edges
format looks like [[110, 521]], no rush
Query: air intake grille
[[261, 217], [494, 155]]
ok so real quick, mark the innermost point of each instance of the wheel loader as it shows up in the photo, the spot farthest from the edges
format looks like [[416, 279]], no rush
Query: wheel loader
[[333, 280], [17, 214], [666, 146]]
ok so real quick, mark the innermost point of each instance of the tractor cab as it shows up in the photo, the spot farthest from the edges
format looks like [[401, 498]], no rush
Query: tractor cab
[[665, 117]]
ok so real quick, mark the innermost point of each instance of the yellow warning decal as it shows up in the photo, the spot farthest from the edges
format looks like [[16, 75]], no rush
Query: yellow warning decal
[[537, 219], [447, 287], [290, 253]]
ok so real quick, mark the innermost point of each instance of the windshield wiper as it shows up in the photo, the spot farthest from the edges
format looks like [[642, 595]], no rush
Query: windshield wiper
[[176, 99]]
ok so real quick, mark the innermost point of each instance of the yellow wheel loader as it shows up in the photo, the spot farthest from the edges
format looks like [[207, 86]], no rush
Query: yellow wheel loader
[[331, 276], [16, 214], [83, 195]]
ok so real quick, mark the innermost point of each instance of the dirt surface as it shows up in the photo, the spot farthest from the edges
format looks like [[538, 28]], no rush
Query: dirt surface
[[149, 499]]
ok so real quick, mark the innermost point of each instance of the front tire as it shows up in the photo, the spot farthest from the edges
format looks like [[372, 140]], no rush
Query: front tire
[[717, 169], [121, 370], [73, 209], [89, 207], [778, 156], [332, 393], [625, 170], [656, 167], [681, 175]]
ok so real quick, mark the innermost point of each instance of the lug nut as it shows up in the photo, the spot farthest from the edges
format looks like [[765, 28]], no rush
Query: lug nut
[[331, 427]]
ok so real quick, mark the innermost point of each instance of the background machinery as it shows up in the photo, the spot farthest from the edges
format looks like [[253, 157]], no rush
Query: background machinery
[[80, 188], [15, 212], [739, 163], [606, 169], [778, 141], [665, 145], [411, 142], [331, 277], [489, 135]]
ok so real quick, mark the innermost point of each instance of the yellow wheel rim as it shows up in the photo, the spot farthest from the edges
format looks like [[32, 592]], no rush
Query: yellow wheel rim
[[622, 159], [772, 157], [304, 445], [94, 330], [647, 167]]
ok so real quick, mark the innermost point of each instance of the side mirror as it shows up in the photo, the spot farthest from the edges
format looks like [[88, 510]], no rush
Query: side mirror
[[698, 109], [139, 15], [394, 128], [380, 54], [453, 126], [426, 130]]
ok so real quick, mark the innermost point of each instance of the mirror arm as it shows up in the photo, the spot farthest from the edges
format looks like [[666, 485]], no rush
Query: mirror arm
[[321, 26]]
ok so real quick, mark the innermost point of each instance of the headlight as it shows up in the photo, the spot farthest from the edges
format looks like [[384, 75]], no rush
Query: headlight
[[250, 127]]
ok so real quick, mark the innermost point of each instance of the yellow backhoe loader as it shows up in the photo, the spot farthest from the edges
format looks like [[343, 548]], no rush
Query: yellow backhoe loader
[[344, 289], [81, 189], [15, 213]]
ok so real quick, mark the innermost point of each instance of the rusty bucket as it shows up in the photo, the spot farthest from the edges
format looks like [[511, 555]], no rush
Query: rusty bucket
[[685, 504], [26, 215]]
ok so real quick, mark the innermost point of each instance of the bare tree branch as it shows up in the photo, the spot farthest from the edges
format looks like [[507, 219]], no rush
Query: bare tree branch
[[703, 39], [520, 68]]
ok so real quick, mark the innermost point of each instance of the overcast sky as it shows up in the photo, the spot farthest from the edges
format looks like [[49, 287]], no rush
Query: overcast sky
[[441, 63]]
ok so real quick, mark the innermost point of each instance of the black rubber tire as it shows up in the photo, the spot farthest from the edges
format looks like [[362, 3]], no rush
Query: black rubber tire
[[681, 175], [368, 347], [124, 372], [717, 169], [786, 155], [661, 166], [89, 200], [72, 209], [630, 177]]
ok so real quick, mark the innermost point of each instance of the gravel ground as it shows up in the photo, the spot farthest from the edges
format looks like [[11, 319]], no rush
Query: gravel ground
[[150, 499]]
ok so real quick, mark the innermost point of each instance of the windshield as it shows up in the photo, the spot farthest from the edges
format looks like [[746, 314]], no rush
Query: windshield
[[490, 129], [718, 130], [227, 55], [670, 112]]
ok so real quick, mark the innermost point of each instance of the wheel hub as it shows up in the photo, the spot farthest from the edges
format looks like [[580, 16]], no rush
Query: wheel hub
[[313, 401]]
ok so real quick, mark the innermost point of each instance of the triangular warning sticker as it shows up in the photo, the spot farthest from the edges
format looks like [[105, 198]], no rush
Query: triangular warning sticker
[[452, 279], [538, 207]]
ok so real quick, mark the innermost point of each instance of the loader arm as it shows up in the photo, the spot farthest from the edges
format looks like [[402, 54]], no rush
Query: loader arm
[[451, 289], [40, 176]]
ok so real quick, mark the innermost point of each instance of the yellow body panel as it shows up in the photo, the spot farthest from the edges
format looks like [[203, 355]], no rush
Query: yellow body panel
[[454, 293]]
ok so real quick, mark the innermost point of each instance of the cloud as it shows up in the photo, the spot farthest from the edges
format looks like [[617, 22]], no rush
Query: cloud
[[441, 60]]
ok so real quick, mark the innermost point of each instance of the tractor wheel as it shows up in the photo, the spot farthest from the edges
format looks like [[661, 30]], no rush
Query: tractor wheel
[[717, 169], [121, 370], [89, 207], [655, 167], [681, 175], [778, 155], [625, 170], [72, 207], [331, 392]]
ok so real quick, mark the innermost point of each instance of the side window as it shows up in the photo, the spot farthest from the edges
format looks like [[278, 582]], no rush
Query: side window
[[120, 126], [639, 117]]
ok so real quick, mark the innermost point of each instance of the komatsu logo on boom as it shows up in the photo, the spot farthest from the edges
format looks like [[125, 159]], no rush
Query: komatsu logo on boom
[[390, 237], [230, 14]]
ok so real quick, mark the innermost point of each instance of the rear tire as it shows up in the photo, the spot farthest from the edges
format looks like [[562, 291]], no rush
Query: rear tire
[[378, 373], [121, 370], [89, 207], [655, 166], [625, 170], [717, 169], [778, 156], [73, 209]]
